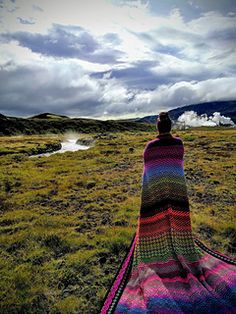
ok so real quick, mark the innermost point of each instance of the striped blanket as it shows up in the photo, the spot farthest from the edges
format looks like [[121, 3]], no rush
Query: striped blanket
[[167, 270]]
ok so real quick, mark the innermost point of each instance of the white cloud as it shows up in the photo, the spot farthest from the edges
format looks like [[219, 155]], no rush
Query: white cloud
[[211, 21], [189, 62], [184, 93], [20, 55]]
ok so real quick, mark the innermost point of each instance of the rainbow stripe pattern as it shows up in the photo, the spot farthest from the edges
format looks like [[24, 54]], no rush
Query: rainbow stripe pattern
[[167, 270]]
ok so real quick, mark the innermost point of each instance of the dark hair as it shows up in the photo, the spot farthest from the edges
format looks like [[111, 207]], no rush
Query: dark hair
[[164, 122]]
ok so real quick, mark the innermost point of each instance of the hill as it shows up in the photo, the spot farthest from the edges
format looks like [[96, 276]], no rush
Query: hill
[[47, 115], [44, 123]]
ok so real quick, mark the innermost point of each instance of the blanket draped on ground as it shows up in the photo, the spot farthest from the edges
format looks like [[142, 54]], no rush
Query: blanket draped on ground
[[167, 269]]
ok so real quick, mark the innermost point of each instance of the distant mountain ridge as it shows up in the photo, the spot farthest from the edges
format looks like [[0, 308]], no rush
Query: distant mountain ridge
[[50, 122], [226, 108]]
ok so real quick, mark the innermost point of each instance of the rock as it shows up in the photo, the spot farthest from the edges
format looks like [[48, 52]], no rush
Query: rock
[[48, 148], [121, 223], [212, 212], [102, 260], [90, 184], [107, 136], [99, 231], [199, 194], [208, 158], [8, 186], [102, 257], [6, 222], [51, 147], [85, 141], [52, 241]]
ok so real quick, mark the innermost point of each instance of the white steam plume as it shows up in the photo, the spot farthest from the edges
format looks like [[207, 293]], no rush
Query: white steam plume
[[191, 118]]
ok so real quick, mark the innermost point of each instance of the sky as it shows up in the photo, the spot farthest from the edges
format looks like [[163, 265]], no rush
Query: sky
[[111, 59]]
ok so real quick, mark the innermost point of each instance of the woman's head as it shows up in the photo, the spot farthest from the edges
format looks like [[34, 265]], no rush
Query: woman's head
[[164, 122]]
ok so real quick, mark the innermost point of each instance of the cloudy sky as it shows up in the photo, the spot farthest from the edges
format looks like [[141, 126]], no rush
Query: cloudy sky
[[114, 58]]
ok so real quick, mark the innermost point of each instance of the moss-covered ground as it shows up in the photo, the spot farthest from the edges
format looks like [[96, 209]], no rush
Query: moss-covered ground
[[67, 220]]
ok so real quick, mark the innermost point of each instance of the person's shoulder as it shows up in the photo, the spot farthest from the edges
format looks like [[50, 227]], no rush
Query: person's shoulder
[[172, 140], [178, 139], [149, 144], [152, 142]]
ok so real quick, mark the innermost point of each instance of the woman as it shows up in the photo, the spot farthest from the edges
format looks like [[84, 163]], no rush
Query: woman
[[167, 270]]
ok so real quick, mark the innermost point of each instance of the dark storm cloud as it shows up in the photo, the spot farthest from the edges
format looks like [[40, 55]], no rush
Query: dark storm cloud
[[140, 75], [66, 42], [26, 93]]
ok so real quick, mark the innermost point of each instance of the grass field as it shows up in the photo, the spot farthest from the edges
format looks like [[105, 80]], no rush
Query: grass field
[[68, 219]]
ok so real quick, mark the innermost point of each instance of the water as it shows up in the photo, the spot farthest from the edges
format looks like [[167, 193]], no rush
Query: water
[[68, 145]]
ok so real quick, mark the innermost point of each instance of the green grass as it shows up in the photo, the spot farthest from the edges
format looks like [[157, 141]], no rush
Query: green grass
[[67, 220]]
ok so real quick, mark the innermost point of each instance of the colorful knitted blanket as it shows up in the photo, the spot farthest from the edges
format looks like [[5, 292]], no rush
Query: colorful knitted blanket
[[167, 270]]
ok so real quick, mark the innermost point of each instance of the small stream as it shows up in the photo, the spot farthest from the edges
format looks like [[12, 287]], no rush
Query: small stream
[[68, 145]]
